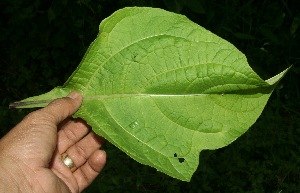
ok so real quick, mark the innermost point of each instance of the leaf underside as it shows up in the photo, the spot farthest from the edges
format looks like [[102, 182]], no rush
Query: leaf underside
[[162, 88]]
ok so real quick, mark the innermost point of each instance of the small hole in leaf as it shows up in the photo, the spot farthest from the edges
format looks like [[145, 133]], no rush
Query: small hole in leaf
[[181, 160], [175, 154]]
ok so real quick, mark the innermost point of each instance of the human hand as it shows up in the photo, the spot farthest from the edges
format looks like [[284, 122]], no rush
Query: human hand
[[31, 153]]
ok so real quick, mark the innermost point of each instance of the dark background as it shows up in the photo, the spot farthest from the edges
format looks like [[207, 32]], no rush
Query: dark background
[[43, 41]]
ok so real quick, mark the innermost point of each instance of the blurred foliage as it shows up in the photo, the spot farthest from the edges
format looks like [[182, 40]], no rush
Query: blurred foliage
[[42, 42]]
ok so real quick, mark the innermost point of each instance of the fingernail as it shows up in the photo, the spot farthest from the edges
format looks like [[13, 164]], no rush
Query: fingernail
[[73, 95]]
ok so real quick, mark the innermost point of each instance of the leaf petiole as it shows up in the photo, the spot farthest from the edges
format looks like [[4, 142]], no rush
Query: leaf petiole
[[28, 104]]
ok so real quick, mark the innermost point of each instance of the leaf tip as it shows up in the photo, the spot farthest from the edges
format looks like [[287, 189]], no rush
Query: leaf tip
[[275, 79]]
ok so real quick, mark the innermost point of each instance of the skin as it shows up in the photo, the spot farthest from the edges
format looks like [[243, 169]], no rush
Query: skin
[[30, 154]]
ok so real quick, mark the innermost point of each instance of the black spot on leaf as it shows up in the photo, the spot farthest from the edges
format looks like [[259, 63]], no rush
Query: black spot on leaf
[[181, 160]]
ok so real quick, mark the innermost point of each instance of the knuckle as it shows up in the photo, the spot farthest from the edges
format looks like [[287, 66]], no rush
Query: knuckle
[[80, 152], [71, 135], [86, 180]]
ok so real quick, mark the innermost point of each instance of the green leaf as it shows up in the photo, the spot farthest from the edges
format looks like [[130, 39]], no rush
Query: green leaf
[[162, 89]]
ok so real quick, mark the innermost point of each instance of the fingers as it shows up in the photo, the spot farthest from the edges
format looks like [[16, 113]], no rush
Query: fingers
[[70, 133], [60, 109], [82, 150], [76, 142], [86, 171], [90, 170]]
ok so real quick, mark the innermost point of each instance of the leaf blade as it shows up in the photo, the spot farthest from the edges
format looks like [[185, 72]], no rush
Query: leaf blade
[[162, 89]]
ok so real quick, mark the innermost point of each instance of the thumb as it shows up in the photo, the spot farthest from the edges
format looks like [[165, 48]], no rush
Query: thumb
[[36, 129], [62, 108]]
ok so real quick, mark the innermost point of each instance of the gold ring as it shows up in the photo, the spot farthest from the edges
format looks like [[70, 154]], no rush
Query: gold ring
[[68, 161]]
